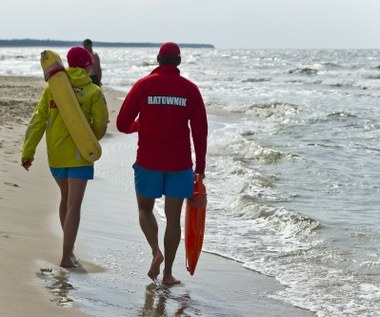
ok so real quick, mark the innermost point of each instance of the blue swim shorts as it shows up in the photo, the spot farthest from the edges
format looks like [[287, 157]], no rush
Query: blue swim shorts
[[82, 172], [154, 184]]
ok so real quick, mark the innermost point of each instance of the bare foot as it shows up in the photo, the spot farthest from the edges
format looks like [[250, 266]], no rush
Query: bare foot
[[154, 270], [67, 263], [170, 280], [74, 258]]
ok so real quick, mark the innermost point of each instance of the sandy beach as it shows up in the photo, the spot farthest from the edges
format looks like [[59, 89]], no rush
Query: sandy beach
[[30, 238]]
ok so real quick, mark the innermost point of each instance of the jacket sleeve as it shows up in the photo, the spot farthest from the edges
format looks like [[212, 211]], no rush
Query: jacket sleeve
[[129, 110], [199, 131], [36, 127], [99, 113]]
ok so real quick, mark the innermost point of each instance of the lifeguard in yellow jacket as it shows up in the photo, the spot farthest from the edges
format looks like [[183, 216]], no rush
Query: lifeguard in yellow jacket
[[69, 169]]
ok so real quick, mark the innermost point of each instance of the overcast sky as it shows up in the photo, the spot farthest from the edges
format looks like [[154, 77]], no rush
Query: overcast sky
[[224, 23]]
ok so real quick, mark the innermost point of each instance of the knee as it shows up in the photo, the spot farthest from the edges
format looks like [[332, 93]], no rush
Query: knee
[[143, 211]]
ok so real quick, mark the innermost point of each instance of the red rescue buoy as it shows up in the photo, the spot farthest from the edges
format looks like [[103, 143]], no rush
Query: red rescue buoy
[[195, 218]]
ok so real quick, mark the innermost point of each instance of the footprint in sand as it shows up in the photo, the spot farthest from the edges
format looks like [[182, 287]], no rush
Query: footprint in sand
[[46, 271], [57, 282], [11, 184]]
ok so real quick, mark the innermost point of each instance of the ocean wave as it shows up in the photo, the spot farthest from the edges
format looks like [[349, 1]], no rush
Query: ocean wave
[[12, 57], [255, 80], [331, 65], [245, 150], [340, 115], [304, 71], [376, 77], [273, 110]]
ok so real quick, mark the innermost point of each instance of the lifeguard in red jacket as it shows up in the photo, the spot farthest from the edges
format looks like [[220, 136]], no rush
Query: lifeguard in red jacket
[[166, 110]]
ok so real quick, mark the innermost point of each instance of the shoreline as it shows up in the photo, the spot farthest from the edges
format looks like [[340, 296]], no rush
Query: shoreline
[[30, 244]]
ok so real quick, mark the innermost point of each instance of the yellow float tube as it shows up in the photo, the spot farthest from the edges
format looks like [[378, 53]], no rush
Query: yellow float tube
[[69, 107]]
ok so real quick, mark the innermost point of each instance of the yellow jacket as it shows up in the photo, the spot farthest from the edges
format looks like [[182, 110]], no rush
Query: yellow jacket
[[61, 149]]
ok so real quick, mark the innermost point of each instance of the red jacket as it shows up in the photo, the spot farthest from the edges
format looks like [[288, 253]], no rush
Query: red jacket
[[168, 107]]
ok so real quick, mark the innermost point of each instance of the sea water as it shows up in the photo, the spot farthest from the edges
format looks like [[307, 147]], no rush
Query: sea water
[[293, 173]]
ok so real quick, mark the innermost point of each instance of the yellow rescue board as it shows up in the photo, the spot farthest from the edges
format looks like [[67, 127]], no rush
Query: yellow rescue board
[[69, 107]]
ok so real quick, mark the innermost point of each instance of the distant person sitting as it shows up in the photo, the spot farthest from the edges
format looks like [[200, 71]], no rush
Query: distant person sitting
[[96, 71]]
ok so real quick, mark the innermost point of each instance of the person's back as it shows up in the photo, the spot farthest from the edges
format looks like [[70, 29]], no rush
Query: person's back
[[96, 70], [169, 109], [167, 103]]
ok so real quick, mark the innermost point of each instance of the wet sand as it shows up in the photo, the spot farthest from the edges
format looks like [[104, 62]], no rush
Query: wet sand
[[27, 199], [30, 240]]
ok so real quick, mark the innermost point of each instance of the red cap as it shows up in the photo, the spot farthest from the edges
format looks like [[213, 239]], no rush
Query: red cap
[[169, 49], [79, 57]]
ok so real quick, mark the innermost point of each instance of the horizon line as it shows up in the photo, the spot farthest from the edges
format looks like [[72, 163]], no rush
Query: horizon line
[[37, 42]]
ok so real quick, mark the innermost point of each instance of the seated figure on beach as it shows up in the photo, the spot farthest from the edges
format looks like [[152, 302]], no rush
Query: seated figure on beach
[[165, 109], [95, 70], [70, 171]]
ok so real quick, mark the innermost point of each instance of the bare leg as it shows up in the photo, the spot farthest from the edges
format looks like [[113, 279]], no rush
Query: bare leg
[[64, 188], [173, 208], [149, 226], [75, 189]]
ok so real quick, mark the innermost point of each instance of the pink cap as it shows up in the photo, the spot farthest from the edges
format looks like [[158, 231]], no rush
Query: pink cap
[[169, 49], [79, 57]]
